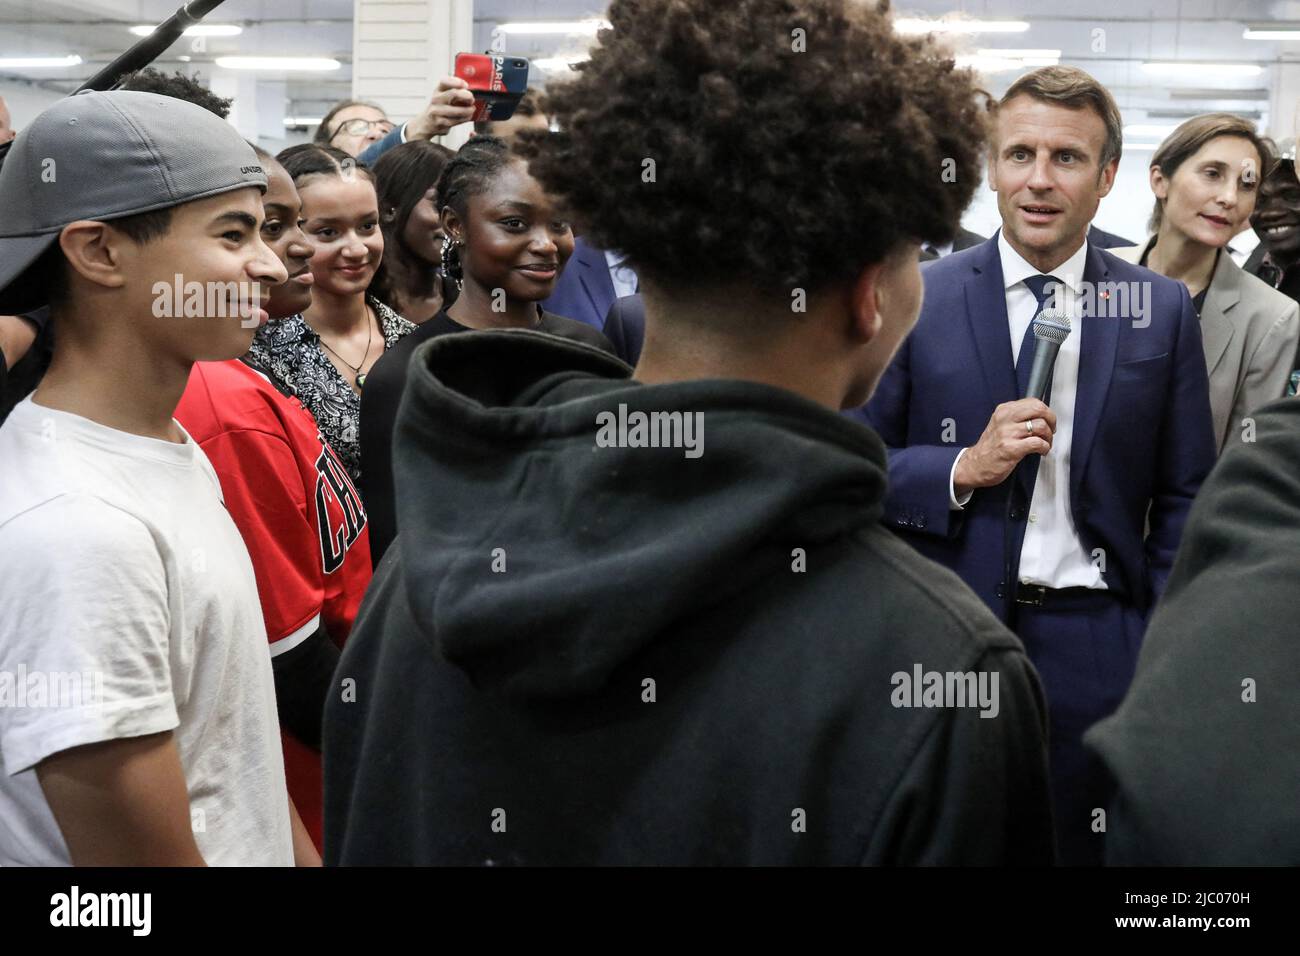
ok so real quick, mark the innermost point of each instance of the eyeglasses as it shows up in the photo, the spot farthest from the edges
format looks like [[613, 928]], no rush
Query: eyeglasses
[[360, 127]]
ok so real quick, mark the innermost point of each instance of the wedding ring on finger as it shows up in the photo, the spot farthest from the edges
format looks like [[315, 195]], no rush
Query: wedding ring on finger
[[1029, 426]]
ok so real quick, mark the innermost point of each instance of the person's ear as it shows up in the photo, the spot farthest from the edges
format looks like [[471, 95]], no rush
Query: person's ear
[[96, 251], [864, 304], [1108, 178], [389, 214], [1159, 185], [451, 225]]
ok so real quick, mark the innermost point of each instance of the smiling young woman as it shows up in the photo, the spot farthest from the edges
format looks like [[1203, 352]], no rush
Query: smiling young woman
[[1206, 177], [324, 355], [505, 245]]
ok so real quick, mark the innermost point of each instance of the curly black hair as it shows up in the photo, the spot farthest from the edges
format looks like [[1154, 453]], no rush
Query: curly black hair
[[793, 141], [176, 85]]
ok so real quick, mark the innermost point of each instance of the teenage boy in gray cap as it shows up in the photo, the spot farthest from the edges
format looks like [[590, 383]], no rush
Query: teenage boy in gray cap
[[140, 723]]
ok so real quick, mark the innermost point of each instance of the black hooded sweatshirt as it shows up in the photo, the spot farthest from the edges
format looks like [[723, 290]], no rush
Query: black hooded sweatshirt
[[582, 654]]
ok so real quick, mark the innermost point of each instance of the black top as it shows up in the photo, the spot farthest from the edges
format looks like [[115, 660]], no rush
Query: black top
[[583, 650], [288, 351], [382, 395], [1198, 300]]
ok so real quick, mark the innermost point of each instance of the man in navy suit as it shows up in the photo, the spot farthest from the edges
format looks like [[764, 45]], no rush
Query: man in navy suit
[[1063, 516]]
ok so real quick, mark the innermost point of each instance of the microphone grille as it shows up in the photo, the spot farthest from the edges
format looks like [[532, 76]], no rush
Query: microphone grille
[[1053, 325]]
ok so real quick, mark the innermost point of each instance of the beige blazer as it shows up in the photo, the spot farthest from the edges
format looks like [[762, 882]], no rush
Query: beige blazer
[[1250, 334]]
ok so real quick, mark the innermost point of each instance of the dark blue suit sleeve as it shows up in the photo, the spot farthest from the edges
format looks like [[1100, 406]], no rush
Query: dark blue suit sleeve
[[917, 499], [1187, 449], [375, 150]]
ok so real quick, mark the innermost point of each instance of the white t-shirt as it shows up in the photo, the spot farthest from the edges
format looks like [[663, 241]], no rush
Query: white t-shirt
[[128, 607]]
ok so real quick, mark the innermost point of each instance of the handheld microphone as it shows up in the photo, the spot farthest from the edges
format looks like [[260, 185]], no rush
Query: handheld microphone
[[1051, 328]]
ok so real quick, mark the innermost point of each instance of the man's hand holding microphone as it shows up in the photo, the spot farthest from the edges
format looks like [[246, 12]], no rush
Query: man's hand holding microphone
[[1019, 428]]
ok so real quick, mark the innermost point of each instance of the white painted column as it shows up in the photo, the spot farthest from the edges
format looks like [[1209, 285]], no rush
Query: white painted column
[[1284, 103], [400, 48], [240, 85]]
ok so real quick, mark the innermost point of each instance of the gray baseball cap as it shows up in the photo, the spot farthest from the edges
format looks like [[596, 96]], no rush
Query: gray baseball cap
[[103, 156]]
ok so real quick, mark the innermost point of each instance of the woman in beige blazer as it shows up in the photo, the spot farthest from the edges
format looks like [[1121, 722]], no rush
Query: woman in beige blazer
[[1206, 177]]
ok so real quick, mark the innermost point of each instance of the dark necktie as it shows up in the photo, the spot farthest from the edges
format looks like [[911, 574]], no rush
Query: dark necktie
[[1043, 288]]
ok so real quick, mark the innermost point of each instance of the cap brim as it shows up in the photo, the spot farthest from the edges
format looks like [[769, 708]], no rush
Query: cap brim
[[17, 254]]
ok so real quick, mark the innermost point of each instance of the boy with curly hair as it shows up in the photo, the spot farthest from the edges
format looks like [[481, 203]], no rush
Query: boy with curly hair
[[657, 621]]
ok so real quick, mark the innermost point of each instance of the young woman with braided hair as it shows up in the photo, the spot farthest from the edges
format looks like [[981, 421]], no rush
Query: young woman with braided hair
[[504, 248]]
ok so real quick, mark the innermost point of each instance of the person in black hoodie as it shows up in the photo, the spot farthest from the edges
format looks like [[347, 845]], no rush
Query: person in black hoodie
[[658, 621]]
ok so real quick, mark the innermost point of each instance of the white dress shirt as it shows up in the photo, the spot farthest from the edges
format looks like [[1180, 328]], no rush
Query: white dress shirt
[[621, 274], [1052, 554]]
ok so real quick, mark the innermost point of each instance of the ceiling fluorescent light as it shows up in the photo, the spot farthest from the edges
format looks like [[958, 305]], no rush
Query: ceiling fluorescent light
[[553, 64], [1184, 114], [201, 30], [36, 62], [1202, 69], [913, 25], [566, 27], [307, 64], [1218, 94], [1277, 30], [302, 120]]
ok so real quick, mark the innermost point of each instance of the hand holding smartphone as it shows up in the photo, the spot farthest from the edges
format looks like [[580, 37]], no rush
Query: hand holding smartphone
[[497, 81]]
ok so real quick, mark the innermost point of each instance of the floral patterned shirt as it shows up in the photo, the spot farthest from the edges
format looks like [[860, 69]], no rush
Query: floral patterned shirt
[[289, 352]]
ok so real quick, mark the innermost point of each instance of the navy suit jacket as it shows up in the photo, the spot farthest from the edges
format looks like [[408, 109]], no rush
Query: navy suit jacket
[[584, 290], [1106, 240], [625, 327], [1143, 440]]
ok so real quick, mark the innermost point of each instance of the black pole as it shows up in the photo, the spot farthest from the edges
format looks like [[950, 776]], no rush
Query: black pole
[[151, 47], [145, 51]]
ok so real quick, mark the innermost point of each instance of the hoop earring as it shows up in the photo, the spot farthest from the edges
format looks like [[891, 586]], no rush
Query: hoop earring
[[451, 261]]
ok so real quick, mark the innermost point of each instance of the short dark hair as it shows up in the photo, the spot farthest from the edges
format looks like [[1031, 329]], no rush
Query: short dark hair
[[178, 86], [1074, 89], [402, 176], [771, 165], [50, 271], [323, 135]]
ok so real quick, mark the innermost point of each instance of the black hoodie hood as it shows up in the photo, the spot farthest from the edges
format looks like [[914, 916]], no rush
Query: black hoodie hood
[[539, 561]]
